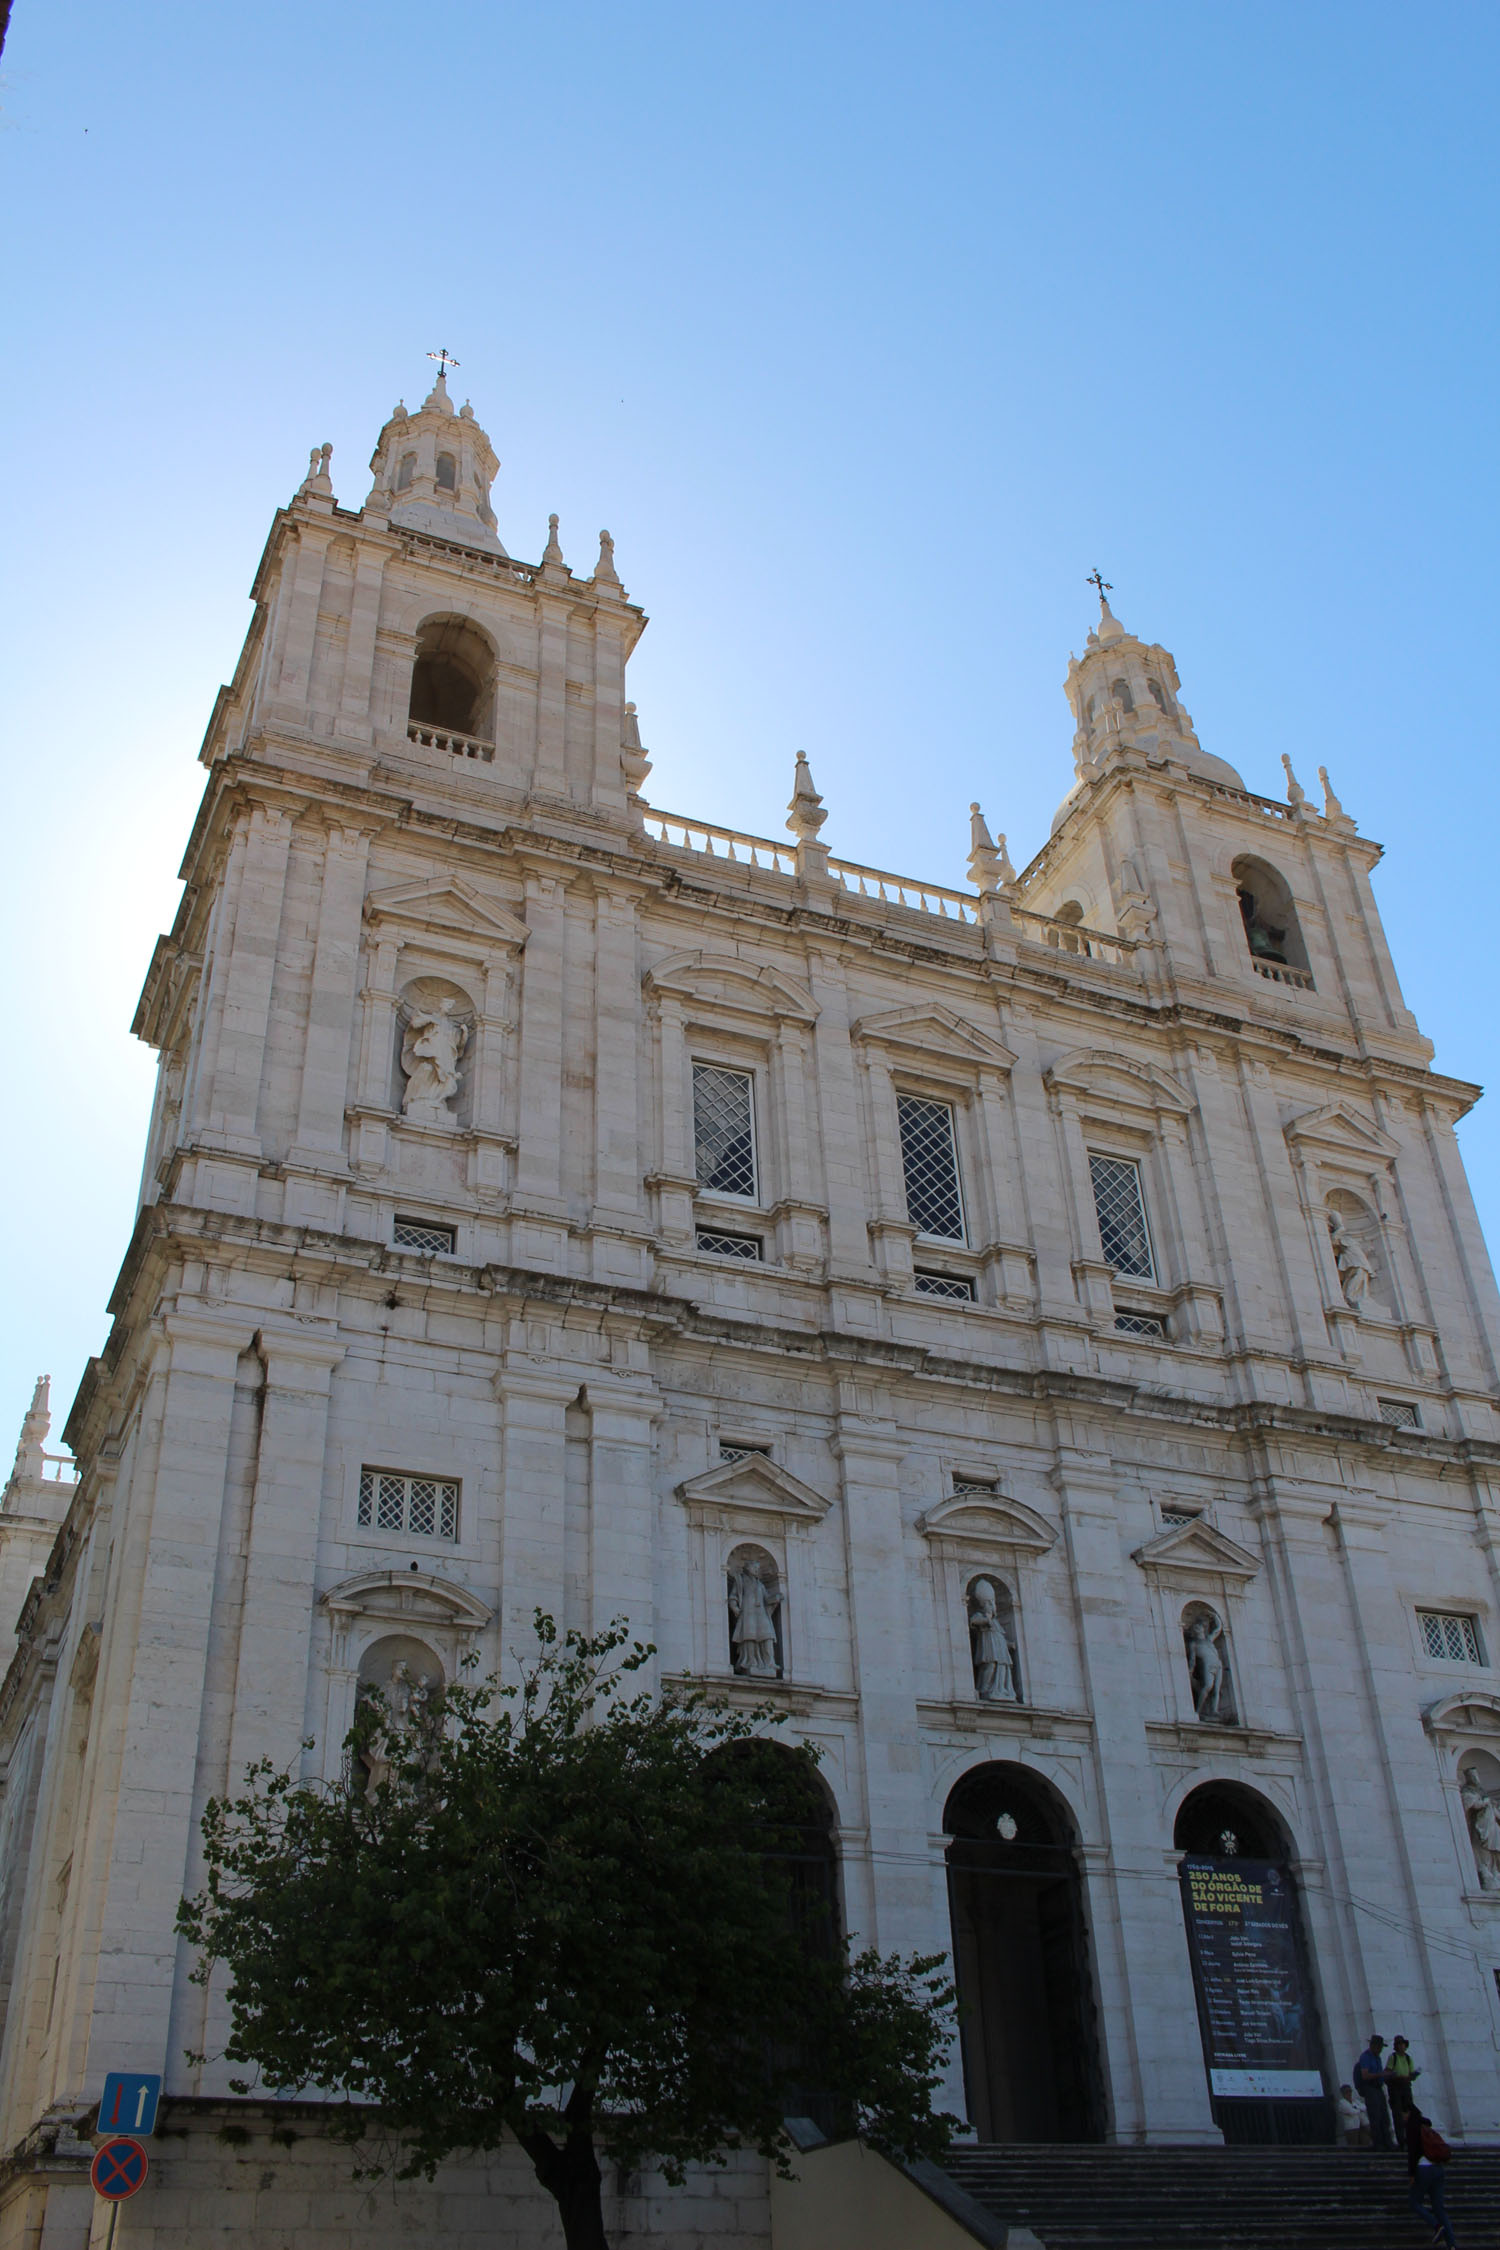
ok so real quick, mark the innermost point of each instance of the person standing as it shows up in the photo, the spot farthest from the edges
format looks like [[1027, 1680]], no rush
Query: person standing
[[1369, 2084], [1426, 2153], [1352, 2126], [1398, 2082]]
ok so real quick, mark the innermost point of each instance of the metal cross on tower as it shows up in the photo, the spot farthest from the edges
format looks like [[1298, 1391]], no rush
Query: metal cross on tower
[[1096, 578], [445, 360]]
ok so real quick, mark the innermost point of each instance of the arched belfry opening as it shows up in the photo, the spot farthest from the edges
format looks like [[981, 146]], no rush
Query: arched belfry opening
[[1027, 2017], [1257, 2008], [453, 679], [1272, 931]]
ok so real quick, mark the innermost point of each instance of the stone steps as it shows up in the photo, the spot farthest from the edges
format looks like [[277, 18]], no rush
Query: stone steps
[[1076, 2198]]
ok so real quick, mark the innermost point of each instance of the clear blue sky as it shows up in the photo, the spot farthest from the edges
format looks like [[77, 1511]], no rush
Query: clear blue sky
[[867, 330]]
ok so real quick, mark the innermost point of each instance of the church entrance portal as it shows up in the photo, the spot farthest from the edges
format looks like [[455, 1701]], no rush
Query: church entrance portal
[[1257, 2014], [1020, 1953]]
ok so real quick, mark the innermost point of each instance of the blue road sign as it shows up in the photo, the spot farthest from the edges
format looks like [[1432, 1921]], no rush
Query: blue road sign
[[118, 2169], [128, 2103]]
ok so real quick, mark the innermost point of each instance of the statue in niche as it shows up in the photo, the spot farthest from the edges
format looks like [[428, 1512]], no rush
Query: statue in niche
[[1355, 1270], [1484, 1828], [753, 1606], [431, 1052], [1208, 1668], [994, 1667], [406, 1708]]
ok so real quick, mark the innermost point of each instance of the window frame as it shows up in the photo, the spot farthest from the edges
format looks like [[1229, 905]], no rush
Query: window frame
[[403, 1531], [947, 1103], [756, 1200], [1472, 1629], [1151, 1279]]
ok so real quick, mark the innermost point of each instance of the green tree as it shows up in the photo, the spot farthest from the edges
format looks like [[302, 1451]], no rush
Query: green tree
[[565, 1912]]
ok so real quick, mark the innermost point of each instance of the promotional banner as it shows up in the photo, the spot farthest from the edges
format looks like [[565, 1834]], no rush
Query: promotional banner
[[1256, 2019]]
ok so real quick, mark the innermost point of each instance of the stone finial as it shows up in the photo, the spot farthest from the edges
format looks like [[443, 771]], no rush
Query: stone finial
[[317, 478], [605, 573], [552, 552], [1295, 793], [634, 762], [1332, 809], [806, 811], [35, 1424], [984, 860], [438, 395]]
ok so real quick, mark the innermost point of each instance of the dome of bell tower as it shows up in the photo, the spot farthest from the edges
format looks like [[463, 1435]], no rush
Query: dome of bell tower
[[433, 471], [1123, 692]]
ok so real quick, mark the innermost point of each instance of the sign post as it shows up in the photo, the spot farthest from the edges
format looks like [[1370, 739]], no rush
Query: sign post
[[118, 2171]]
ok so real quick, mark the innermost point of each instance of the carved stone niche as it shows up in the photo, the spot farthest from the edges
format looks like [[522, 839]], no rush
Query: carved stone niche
[[1466, 1731], [1194, 1569], [434, 1054], [372, 1612], [982, 1542], [745, 1511]]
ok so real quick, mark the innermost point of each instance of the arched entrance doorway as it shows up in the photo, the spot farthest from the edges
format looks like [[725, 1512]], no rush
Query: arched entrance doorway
[[1020, 1957], [1257, 2013]]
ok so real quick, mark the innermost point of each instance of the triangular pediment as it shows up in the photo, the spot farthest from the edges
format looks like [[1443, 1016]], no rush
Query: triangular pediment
[[1200, 1549], [1338, 1128], [410, 1596], [753, 1486], [719, 981], [988, 1519], [935, 1031], [1092, 1073], [447, 905]]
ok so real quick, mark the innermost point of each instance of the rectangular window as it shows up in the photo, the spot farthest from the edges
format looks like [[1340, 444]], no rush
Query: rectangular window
[[943, 1285], [1177, 1519], [724, 1130], [929, 1158], [1450, 1636], [1399, 1414], [975, 1484], [421, 1234], [1141, 1324], [718, 1245], [395, 1500], [1122, 1215], [729, 1451]]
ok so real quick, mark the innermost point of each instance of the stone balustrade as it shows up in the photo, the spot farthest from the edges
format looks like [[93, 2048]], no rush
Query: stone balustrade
[[444, 738]]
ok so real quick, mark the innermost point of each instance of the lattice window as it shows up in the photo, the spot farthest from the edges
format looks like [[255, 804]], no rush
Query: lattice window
[[729, 1451], [1141, 1324], [421, 1234], [976, 1484], [397, 1500], [724, 1130], [929, 1157], [1122, 1215], [1178, 1519], [1400, 1414], [1450, 1636], [719, 1245], [943, 1285]]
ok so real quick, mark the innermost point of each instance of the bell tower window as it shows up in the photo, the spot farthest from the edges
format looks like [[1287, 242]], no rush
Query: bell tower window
[[453, 679], [447, 473], [406, 469], [1120, 690], [1272, 932]]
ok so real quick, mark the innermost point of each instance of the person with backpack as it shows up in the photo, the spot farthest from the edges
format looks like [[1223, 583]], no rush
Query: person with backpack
[[1399, 2082], [1426, 2154], [1369, 2084]]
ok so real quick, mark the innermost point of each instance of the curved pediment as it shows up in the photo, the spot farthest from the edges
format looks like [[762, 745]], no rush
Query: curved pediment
[[1469, 1711], [1337, 1129], [1094, 1074], [719, 981], [1198, 1549], [752, 1488], [410, 1596], [446, 906], [934, 1031], [988, 1519]]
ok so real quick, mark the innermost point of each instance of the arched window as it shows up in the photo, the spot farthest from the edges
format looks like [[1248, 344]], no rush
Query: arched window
[[1272, 932], [1069, 937], [406, 469], [453, 679], [1157, 697], [447, 473], [1020, 1957], [1120, 690]]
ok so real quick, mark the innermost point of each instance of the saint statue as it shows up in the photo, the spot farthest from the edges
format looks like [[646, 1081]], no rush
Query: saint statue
[[752, 1608], [1355, 1270], [1206, 1667], [430, 1055], [994, 1675], [1484, 1829]]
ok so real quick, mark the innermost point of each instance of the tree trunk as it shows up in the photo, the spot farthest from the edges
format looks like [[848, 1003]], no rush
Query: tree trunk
[[571, 2176]]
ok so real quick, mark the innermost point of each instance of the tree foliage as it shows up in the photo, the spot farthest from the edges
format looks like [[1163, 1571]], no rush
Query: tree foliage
[[566, 1912]]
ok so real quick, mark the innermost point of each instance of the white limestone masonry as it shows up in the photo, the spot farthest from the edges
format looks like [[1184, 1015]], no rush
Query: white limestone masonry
[[427, 1205]]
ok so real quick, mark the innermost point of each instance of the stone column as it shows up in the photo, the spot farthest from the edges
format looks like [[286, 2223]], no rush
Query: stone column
[[209, 1009], [617, 1030], [890, 1223], [298, 621], [550, 777], [622, 1494], [359, 651], [676, 1182], [234, 1099], [539, 1128], [840, 1125], [534, 1401], [1148, 2018], [609, 710], [330, 1023]]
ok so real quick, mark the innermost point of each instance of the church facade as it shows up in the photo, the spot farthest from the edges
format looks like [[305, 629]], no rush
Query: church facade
[[1036, 1335]]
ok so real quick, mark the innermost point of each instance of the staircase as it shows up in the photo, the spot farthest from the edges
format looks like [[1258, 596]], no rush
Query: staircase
[[1075, 2198]]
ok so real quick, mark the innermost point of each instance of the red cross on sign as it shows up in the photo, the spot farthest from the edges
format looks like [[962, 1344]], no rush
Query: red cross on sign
[[118, 2169]]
